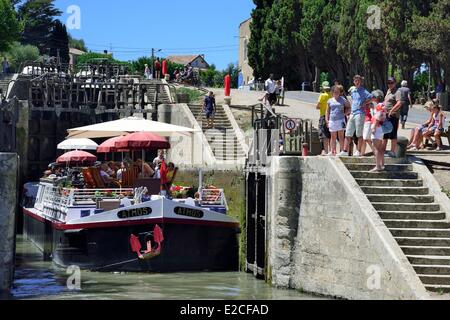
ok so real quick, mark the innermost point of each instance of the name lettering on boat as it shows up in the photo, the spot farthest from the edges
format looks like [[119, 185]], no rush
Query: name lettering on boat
[[133, 213], [188, 212]]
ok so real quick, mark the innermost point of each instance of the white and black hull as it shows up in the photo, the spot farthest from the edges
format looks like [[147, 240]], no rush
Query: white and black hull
[[102, 243]]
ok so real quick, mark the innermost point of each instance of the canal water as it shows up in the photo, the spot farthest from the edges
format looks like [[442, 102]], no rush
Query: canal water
[[36, 279]]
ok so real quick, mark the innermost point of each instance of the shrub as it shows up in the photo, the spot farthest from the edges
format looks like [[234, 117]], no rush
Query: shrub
[[18, 55]]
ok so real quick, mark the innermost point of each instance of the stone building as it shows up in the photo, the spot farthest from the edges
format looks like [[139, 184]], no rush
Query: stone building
[[244, 38], [196, 61], [74, 54]]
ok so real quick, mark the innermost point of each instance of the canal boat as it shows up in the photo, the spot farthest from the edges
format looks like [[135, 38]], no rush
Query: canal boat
[[130, 230]]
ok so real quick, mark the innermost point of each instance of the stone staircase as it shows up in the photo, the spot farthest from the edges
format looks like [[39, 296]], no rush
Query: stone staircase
[[4, 82], [410, 212], [222, 138]]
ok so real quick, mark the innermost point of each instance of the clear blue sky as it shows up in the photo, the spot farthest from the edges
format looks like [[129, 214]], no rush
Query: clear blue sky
[[133, 27]]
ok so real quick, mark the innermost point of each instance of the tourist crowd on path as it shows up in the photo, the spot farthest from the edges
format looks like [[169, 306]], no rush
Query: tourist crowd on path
[[370, 118]]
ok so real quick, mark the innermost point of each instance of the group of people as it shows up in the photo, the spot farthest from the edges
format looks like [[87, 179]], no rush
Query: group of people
[[183, 75], [157, 70], [111, 172], [369, 119], [433, 128]]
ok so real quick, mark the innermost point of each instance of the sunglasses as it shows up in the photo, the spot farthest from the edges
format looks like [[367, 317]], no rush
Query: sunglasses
[[390, 82]]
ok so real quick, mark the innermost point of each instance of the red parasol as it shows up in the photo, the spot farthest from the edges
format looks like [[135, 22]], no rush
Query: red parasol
[[141, 141], [158, 236], [110, 146], [76, 157]]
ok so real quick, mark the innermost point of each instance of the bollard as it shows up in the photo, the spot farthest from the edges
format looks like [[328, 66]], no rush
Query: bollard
[[305, 150], [402, 144], [8, 196]]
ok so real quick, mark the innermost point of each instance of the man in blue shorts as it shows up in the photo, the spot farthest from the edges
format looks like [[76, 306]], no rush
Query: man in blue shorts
[[360, 98]]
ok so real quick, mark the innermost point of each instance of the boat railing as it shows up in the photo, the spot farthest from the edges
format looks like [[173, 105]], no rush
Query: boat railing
[[51, 197], [77, 196], [213, 197]]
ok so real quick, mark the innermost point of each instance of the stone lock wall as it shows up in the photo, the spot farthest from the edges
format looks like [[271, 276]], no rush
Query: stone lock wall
[[325, 237], [8, 196]]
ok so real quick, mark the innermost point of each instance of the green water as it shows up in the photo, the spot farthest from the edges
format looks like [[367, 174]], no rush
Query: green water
[[35, 279]]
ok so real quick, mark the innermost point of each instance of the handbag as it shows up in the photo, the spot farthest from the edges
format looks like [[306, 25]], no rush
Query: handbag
[[387, 127]]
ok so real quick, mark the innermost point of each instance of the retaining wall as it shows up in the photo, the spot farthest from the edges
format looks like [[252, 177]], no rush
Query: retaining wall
[[326, 238]]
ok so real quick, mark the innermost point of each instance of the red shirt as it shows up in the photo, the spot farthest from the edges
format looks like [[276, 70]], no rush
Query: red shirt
[[368, 114]]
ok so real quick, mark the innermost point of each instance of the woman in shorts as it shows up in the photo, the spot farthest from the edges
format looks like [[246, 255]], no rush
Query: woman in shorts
[[335, 118]]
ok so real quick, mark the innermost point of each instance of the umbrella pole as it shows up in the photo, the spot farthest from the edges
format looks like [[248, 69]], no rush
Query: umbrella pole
[[143, 159]]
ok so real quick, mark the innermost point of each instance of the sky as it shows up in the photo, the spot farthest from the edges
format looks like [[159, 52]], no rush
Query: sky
[[132, 27]]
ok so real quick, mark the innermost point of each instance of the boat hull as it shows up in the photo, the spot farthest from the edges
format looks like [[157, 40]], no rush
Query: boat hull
[[200, 246]]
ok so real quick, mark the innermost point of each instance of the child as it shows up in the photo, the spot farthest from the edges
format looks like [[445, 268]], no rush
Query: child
[[377, 131], [335, 118], [436, 127], [367, 133]]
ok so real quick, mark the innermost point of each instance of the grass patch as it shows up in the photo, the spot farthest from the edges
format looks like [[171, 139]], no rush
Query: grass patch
[[195, 96], [447, 192]]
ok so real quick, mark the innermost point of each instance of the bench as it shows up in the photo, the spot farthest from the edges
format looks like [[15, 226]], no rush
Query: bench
[[446, 134]]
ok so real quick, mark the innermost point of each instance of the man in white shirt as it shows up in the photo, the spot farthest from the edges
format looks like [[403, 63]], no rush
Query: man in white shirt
[[271, 90], [159, 158]]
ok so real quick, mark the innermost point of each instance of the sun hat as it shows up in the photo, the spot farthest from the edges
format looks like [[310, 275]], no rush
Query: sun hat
[[326, 85]]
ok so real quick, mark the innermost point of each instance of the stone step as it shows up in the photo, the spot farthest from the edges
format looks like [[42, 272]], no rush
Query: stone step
[[424, 251], [389, 206], [438, 288], [416, 224], [370, 160], [396, 198], [384, 175], [395, 190], [440, 270], [423, 242], [426, 233], [409, 183], [429, 260], [389, 167], [435, 279], [406, 215]]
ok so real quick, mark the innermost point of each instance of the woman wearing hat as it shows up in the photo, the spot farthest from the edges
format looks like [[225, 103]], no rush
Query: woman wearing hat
[[322, 105]]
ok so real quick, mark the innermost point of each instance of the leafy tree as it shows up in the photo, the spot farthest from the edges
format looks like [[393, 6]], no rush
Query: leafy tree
[[58, 42], [432, 36], [38, 17], [275, 44], [77, 44], [207, 77], [10, 28], [18, 55]]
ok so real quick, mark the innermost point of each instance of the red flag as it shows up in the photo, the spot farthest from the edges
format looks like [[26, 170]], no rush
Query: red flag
[[163, 171], [135, 244], [158, 236]]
